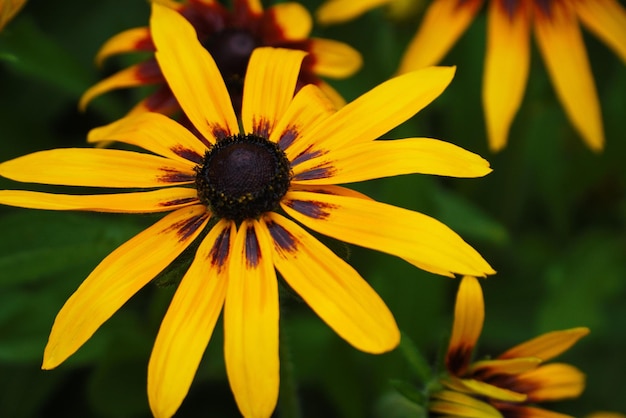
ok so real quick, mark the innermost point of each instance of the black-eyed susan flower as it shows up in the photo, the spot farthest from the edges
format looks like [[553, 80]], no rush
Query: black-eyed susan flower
[[230, 185], [509, 23], [8, 9], [511, 384], [230, 36]]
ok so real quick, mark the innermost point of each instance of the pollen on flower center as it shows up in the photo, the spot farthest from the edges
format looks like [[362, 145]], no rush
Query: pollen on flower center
[[243, 176]]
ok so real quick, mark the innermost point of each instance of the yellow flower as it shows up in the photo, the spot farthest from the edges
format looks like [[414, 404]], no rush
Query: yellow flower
[[605, 414], [507, 60], [510, 384], [230, 36], [231, 184], [8, 10]]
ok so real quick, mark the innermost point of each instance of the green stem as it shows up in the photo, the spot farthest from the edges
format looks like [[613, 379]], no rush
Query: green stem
[[416, 360], [288, 401]]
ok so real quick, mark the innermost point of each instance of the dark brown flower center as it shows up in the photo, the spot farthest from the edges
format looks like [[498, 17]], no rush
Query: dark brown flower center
[[243, 176], [231, 50]]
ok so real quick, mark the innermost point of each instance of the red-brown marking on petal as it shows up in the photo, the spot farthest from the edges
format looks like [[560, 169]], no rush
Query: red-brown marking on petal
[[283, 239], [221, 249], [316, 173], [173, 176], [186, 228], [161, 101], [287, 137], [253, 250], [218, 131], [187, 154], [177, 202], [457, 359], [145, 44], [261, 128], [310, 208], [306, 155]]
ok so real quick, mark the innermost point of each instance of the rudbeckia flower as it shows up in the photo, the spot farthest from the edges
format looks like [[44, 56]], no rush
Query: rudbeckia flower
[[235, 190], [230, 36], [511, 384], [556, 28], [8, 10]]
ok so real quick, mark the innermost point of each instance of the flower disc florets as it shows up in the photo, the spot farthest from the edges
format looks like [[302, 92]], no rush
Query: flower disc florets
[[243, 176]]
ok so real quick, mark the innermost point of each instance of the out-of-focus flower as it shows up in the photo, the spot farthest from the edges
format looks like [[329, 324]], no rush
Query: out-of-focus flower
[[511, 384], [8, 9], [605, 414], [509, 23], [230, 36], [226, 187]]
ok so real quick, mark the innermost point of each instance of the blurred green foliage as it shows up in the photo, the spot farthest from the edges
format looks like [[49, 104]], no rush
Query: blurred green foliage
[[551, 218]]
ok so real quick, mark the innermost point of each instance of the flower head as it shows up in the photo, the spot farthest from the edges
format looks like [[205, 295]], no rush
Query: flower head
[[509, 22], [510, 384], [225, 187], [230, 36]]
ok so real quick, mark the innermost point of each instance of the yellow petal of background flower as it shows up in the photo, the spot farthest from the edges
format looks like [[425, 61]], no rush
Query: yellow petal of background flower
[[337, 11], [521, 411], [188, 324], [130, 40], [413, 236], [392, 158], [607, 20], [379, 110], [551, 382], [469, 315], [444, 22], [548, 345], [132, 76], [97, 168], [251, 322], [269, 87], [8, 9], [488, 368], [153, 132], [563, 50], [198, 84], [461, 405], [332, 288], [507, 61], [118, 277], [334, 59], [162, 200], [293, 19], [487, 390]]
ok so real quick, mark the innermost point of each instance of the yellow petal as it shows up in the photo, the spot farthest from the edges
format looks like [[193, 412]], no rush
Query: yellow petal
[[332, 288], [487, 368], [394, 157], [153, 132], [378, 111], [118, 277], [335, 98], [469, 315], [563, 50], [461, 405], [547, 346], [97, 168], [337, 11], [161, 101], [162, 200], [308, 108], [188, 324], [607, 20], [483, 389], [413, 236], [444, 22], [251, 322], [198, 84], [131, 40], [507, 62], [136, 75], [293, 21], [519, 411], [551, 382], [269, 87], [8, 9], [334, 59]]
